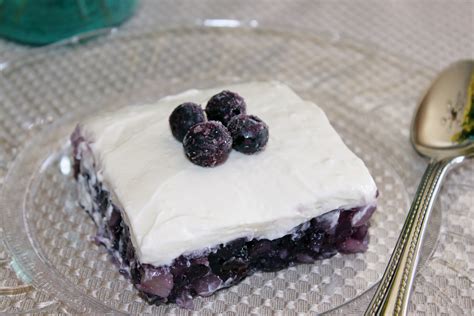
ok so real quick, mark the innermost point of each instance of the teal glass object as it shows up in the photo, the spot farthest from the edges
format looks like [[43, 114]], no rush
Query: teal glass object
[[39, 22]]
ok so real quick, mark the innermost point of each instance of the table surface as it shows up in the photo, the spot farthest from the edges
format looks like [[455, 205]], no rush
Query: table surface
[[432, 34]]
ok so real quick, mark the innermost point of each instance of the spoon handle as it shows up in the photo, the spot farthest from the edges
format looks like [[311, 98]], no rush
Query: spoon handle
[[393, 292]]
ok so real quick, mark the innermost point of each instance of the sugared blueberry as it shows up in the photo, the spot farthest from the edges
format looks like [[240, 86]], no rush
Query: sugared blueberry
[[184, 117], [207, 144], [249, 133], [224, 106]]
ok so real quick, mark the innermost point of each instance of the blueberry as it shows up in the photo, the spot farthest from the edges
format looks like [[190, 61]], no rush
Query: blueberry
[[344, 227], [197, 271], [316, 240], [224, 106], [235, 268], [249, 133], [184, 117], [230, 260], [207, 285], [207, 144], [156, 281]]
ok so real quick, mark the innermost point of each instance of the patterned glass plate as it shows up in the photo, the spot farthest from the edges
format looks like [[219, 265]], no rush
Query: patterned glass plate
[[50, 236]]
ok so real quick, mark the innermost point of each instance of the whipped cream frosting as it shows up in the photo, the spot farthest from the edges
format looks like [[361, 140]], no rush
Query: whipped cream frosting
[[174, 207]]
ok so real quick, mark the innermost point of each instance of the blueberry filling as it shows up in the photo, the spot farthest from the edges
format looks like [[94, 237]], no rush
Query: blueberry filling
[[227, 264]]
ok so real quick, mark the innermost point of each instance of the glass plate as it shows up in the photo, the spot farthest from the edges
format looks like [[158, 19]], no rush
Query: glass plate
[[50, 236]]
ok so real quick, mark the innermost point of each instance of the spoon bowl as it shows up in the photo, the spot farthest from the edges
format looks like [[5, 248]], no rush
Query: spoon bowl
[[440, 114]]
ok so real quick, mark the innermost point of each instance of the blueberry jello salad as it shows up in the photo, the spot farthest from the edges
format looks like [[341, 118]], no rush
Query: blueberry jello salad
[[201, 189]]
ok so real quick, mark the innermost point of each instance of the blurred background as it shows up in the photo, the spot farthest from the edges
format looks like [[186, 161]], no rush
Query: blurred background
[[39, 22], [433, 33]]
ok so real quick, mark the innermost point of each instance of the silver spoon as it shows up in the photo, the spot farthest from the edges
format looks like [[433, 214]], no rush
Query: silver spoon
[[438, 118]]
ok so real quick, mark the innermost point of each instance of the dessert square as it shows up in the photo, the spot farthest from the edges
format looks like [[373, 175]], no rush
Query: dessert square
[[181, 230]]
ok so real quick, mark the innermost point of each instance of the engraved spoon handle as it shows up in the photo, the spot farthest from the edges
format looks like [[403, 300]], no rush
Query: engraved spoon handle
[[393, 292]]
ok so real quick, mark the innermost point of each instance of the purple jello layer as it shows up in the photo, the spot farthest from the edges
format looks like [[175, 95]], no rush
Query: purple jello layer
[[227, 264]]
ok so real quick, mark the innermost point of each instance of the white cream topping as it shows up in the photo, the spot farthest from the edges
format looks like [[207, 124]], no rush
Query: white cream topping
[[174, 207]]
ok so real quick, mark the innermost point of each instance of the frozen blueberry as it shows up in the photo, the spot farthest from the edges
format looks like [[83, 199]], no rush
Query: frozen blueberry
[[224, 106], [249, 133], [185, 116], [207, 144]]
